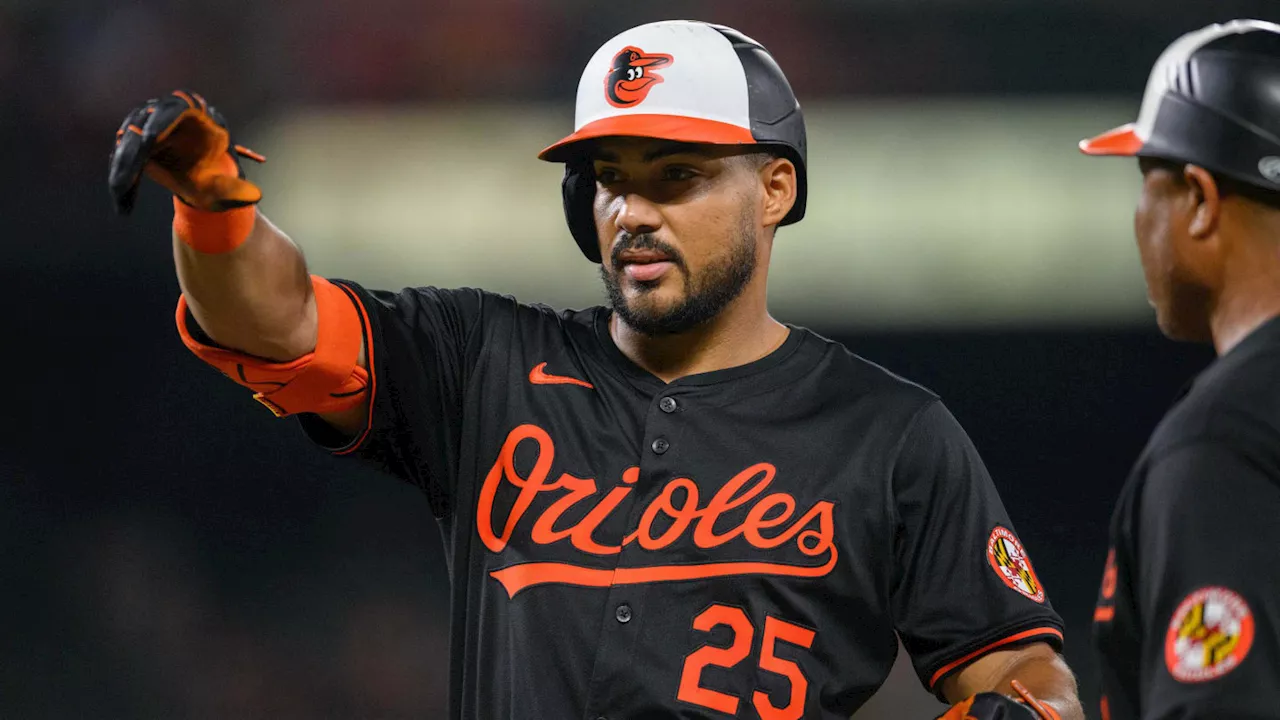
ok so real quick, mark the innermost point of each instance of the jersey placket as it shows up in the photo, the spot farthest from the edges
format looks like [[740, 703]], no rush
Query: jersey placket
[[615, 677]]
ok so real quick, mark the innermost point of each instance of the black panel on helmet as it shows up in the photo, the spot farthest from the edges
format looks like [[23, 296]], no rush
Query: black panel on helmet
[[1223, 111], [776, 117], [578, 191]]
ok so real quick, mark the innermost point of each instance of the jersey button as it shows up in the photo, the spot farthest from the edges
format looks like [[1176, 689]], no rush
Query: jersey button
[[660, 445], [623, 613], [667, 404]]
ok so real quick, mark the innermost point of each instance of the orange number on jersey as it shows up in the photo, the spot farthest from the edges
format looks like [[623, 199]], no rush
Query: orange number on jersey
[[691, 689], [774, 630]]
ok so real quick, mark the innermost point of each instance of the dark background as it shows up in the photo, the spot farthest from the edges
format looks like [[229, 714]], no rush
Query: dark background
[[172, 550]]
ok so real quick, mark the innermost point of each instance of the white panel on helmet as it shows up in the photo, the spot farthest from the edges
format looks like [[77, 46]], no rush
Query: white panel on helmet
[[693, 72]]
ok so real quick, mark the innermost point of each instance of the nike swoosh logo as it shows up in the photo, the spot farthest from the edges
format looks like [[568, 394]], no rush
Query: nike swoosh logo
[[539, 376]]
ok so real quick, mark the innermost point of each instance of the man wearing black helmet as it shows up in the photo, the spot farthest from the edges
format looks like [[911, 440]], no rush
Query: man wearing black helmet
[[674, 506], [1188, 617]]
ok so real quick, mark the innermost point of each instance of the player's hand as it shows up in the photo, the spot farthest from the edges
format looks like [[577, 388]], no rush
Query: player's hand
[[182, 143], [994, 706]]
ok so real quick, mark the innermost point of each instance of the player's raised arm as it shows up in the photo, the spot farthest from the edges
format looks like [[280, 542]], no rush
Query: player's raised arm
[[248, 305]]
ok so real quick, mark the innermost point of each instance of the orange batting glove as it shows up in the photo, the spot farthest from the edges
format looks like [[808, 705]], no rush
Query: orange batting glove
[[182, 143]]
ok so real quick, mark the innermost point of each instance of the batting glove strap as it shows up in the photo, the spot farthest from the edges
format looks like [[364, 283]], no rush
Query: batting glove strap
[[994, 706]]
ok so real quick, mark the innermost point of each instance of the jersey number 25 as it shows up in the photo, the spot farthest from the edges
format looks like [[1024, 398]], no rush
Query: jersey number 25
[[691, 690]]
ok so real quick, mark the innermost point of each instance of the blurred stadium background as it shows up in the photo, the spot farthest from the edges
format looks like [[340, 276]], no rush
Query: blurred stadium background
[[171, 550]]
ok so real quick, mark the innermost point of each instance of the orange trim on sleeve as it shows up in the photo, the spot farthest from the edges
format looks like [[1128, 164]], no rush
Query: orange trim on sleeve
[[367, 333], [992, 646]]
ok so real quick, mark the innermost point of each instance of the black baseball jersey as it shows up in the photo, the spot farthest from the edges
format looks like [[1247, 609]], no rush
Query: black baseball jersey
[[1188, 616], [741, 543]]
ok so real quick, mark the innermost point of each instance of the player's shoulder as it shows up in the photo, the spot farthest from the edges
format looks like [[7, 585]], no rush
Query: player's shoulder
[[489, 306], [1235, 401], [848, 375], [1225, 429]]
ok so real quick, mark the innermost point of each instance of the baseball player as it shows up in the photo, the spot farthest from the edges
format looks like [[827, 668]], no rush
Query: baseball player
[[1188, 617], [674, 506]]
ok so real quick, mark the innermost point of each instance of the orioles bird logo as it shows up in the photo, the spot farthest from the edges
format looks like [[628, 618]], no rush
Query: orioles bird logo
[[631, 75]]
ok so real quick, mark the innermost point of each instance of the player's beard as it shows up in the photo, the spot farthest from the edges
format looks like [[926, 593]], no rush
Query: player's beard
[[705, 296]]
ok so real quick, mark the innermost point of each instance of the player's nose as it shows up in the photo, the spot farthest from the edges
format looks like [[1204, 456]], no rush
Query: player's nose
[[637, 214]]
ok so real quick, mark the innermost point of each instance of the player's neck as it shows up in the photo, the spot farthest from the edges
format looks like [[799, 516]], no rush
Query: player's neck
[[1249, 294], [743, 333], [1241, 310]]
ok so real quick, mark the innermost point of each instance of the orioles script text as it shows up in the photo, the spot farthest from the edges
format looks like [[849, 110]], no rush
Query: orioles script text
[[767, 523]]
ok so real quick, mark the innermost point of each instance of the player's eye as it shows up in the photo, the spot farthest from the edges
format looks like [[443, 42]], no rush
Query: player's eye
[[606, 176], [678, 173]]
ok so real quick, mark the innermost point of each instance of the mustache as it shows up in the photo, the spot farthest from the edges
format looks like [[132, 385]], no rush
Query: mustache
[[643, 241]]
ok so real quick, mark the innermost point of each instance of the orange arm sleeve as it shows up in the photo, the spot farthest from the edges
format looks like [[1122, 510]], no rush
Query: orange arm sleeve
[[328, 379]]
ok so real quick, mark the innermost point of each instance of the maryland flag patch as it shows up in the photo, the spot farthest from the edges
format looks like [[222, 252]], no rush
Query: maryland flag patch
[[1209, 635], [1012, 566]]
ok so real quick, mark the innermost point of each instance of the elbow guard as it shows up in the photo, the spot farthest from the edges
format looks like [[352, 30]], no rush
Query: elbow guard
[[327, 379]]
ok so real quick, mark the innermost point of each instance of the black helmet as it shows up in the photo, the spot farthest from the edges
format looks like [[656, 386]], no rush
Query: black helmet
[[1213, 100]]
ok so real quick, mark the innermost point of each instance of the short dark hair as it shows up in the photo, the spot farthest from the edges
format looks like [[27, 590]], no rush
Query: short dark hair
[[1227, 186], [757, 157]]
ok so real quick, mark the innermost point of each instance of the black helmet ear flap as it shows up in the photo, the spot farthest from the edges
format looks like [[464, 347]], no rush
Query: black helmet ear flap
[[578, 191]]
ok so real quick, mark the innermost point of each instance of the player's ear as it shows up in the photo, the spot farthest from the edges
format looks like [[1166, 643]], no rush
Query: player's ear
[[780, 183], [1207, 198]]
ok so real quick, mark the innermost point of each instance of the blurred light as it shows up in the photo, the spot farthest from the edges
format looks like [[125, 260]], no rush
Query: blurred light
[[928, 212]]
